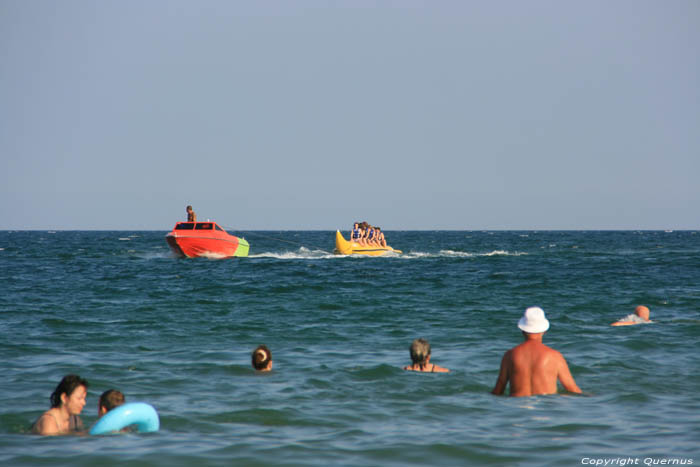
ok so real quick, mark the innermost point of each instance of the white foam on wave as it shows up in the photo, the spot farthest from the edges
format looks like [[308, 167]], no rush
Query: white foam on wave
[[305, 253], [124, 239], [301, 253], [456, 254], [490, 253], [505, 253], [211, 255], [459, 254]]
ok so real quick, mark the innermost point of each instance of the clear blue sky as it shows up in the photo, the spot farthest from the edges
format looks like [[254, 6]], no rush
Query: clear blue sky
[[313, 114]]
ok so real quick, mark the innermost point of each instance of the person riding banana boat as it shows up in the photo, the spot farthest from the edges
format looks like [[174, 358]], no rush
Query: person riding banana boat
[[365, 239]]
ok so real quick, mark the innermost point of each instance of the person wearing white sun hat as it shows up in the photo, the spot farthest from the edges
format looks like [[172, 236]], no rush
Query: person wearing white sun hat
[[532, 368]]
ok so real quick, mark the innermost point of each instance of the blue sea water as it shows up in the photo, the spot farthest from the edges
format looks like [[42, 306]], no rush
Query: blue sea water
[[118, 309]]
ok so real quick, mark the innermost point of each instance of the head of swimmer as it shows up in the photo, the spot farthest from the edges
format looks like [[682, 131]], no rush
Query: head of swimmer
[[261, 358], [70, 393], [109, 399], [642, 312], [420, 351]]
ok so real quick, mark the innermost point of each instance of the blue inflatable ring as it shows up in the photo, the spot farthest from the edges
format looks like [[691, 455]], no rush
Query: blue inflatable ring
[[143, 415]]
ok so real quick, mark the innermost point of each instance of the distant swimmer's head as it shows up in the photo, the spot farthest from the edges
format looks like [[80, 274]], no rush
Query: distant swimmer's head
[[109, 400], [533, 321], [420, 351], [262, 358], [642, 312]]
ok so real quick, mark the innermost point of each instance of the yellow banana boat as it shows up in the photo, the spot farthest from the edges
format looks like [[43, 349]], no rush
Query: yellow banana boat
[[344, 247]]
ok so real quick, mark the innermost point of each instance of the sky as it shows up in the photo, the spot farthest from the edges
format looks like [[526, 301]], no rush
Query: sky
[[309, 115]]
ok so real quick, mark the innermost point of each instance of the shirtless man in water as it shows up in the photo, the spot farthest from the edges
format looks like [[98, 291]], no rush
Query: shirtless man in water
[[531, 367]]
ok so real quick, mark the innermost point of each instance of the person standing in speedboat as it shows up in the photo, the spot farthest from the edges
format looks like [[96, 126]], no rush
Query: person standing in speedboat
[[191, 216]]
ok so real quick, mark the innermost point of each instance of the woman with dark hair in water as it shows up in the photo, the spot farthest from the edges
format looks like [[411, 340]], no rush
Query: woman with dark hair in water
[[67, 401], [262, 358]]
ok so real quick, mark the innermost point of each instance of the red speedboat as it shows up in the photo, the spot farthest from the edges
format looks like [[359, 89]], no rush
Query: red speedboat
[[194, 239]]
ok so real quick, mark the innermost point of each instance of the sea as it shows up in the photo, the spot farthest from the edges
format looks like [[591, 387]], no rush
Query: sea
[[118, 309]]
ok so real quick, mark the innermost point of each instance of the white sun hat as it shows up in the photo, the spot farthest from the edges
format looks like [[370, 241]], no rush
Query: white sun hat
[[533, 321]]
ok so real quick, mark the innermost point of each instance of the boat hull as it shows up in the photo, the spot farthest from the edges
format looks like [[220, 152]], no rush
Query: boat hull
[[194, 239], [344, 247]]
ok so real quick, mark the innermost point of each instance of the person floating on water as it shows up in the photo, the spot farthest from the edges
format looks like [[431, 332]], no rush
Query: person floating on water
[[640, 316], [110, 399], [532, 368], [262, 358], [420, 356], [191, 216], [67, 401]]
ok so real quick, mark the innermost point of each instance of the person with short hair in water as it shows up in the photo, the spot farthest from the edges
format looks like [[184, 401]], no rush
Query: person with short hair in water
[[262, 358], [67, 401], [532, 368], [640, 316], [109, 400], [420, 356], [191, 216]]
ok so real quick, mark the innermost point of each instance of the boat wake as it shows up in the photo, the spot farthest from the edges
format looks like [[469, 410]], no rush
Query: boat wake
[[490, 253], [305, 253], [301, 253], [460, 254], [212, 255]]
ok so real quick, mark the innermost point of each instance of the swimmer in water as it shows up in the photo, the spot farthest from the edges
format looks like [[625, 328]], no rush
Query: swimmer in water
[[262, 358], [640, 316], [420, 356], [109, 400], [67, 401], [532, 368]]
